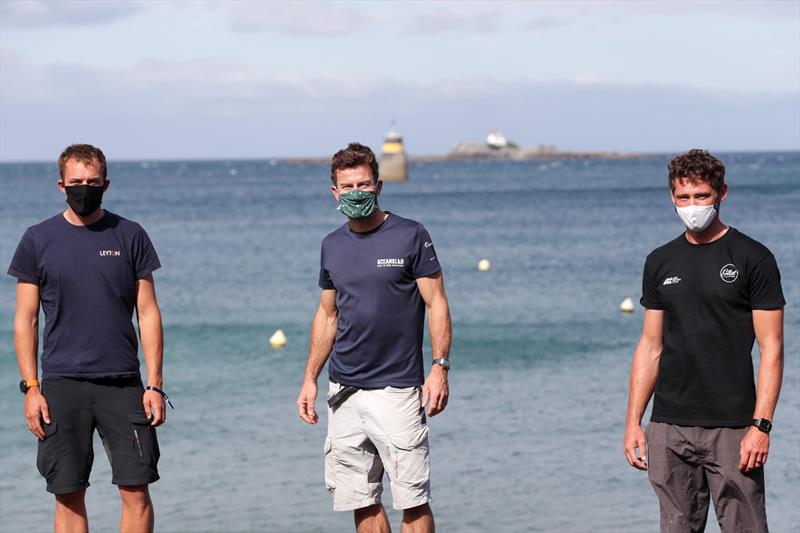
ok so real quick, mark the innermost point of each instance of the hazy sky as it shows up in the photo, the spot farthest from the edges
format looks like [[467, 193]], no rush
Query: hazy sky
[[205, 79]]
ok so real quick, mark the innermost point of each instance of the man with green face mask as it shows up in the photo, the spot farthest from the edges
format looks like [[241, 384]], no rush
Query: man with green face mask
[[379, 273]]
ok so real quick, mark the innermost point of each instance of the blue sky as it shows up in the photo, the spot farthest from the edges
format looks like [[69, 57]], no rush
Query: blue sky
[[205, 79]]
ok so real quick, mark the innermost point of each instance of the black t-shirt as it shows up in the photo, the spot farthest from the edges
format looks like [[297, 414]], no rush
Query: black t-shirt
[[87, 284], [381, 313], [708, 293]]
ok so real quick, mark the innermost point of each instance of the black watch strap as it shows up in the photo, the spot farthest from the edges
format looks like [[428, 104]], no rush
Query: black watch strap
[[762, 424]]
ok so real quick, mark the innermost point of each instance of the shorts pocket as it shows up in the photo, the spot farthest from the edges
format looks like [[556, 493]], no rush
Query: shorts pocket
[[47, 454], [143, 439], [330, 473], [411, 457]]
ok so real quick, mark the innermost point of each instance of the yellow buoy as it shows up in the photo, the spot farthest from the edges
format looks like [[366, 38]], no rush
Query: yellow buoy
[[484, 265], [278, 339], [627, 306]]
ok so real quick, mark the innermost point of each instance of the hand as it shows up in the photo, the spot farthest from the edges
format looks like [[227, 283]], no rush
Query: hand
[[635, 439], [154, 407], [36, 410], [435, 389], [753, 450], [305, 402]]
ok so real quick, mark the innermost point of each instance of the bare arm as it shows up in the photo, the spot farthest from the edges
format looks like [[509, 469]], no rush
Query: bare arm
[[323, 335], [435, 389], [644, 372], [768, 326], [152, 338], [26, 343]]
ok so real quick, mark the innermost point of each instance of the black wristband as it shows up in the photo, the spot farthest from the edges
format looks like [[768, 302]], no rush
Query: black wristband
[[161, 392]]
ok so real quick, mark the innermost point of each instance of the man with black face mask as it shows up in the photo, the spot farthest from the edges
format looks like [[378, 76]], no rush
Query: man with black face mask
[[89, 269], [379, 274]]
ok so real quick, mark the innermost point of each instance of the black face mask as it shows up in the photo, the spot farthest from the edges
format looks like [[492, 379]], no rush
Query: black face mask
[[84, 199]]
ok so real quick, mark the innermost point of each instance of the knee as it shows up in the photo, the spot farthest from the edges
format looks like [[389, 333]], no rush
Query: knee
[[416, 512], [137, 497], [369, 511], [71, 500]]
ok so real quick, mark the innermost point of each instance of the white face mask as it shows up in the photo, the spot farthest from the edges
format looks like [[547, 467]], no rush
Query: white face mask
[[697, 217]]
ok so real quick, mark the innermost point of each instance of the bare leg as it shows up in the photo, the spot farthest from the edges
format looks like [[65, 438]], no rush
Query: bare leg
[[418, 520], [372, 519], [137, 510], [70, 516]]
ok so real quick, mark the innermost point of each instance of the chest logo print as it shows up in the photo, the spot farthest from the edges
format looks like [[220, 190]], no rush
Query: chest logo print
[[391, 262], [111, 253], [672, 281], [729, 273]]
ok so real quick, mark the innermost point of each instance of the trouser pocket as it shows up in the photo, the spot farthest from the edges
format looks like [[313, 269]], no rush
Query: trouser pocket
[[143, 439]]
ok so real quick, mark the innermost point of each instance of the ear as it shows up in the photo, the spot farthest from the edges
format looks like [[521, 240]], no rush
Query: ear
[[106, 183], [61, 188], [724, 193], [378, 187], [335, 193]]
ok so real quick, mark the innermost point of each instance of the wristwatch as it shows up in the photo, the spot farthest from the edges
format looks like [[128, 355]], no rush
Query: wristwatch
[[24, 385], [762, 424], [443, 361]]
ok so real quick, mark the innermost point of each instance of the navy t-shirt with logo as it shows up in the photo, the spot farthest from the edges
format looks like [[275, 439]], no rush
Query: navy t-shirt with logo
[[708, 293], [87, 284], [380, 311]]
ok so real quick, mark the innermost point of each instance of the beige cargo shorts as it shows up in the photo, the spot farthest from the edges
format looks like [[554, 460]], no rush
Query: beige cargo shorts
[[374, 431]]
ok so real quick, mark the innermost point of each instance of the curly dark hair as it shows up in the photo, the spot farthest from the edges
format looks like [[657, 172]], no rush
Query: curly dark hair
[[86, 154], [355, 155], [697, 166]]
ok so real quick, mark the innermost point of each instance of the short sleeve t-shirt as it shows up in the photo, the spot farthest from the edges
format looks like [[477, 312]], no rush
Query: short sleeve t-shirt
[[380, 311], [708, 293], [87, 284]]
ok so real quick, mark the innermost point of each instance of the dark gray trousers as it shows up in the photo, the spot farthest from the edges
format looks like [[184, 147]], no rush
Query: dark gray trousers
[[687, 464]]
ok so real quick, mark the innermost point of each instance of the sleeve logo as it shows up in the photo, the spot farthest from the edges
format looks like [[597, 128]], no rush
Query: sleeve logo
[[729, 273]]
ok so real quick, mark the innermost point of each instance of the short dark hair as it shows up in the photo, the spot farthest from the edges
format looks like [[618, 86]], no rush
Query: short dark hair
[[697, 165], [355, 155], [86, 154]]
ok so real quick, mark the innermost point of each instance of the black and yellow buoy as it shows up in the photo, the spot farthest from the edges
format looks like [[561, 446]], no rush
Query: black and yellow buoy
[[393, 165]]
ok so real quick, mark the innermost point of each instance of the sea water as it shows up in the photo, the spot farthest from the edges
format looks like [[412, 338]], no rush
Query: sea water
[[532, 437]]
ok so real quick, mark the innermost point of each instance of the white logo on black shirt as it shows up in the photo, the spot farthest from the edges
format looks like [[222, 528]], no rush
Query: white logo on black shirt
[[113, 253], [428, 244], [672, 281], [729, 273], [391, 262]]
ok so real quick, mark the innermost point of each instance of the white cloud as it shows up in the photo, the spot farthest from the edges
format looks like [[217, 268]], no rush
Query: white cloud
[[297, 18], [19, 14]]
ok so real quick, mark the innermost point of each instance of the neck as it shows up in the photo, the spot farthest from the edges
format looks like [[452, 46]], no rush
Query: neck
[[77, 220], [713, 232], [363, 225]]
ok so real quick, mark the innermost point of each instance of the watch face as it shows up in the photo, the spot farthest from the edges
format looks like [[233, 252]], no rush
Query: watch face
[[23, 386]]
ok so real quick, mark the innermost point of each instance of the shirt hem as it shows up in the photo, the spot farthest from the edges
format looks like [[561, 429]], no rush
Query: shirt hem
[[96, 375], [702, 423], [375, 384]]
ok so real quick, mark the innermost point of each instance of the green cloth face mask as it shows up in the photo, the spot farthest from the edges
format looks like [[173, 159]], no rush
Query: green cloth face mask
[[358, 203]]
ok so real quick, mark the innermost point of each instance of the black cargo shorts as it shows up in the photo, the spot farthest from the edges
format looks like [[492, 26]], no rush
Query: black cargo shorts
[[114, 407]]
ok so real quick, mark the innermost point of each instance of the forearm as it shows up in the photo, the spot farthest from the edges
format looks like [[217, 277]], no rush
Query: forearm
[[323, 335], [770, 376], [26, 344], [152, 338], [440, 327], [644, 373]]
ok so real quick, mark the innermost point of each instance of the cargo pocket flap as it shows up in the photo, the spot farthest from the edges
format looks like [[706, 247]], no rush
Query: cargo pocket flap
[[138, 418], [49, 429], [409, 440]]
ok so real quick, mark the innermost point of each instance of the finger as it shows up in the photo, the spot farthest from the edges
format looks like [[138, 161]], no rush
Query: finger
[[424, 400], [37, 429], [45, 410], [158, 414], [146, 403], [743, 458], [643, 449]]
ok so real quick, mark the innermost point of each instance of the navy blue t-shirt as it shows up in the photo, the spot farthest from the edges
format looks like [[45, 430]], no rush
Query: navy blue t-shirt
[[87, 284], [381, 314]]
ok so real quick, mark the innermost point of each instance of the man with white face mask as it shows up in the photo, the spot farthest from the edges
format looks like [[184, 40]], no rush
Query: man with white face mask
[[707, 295]]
